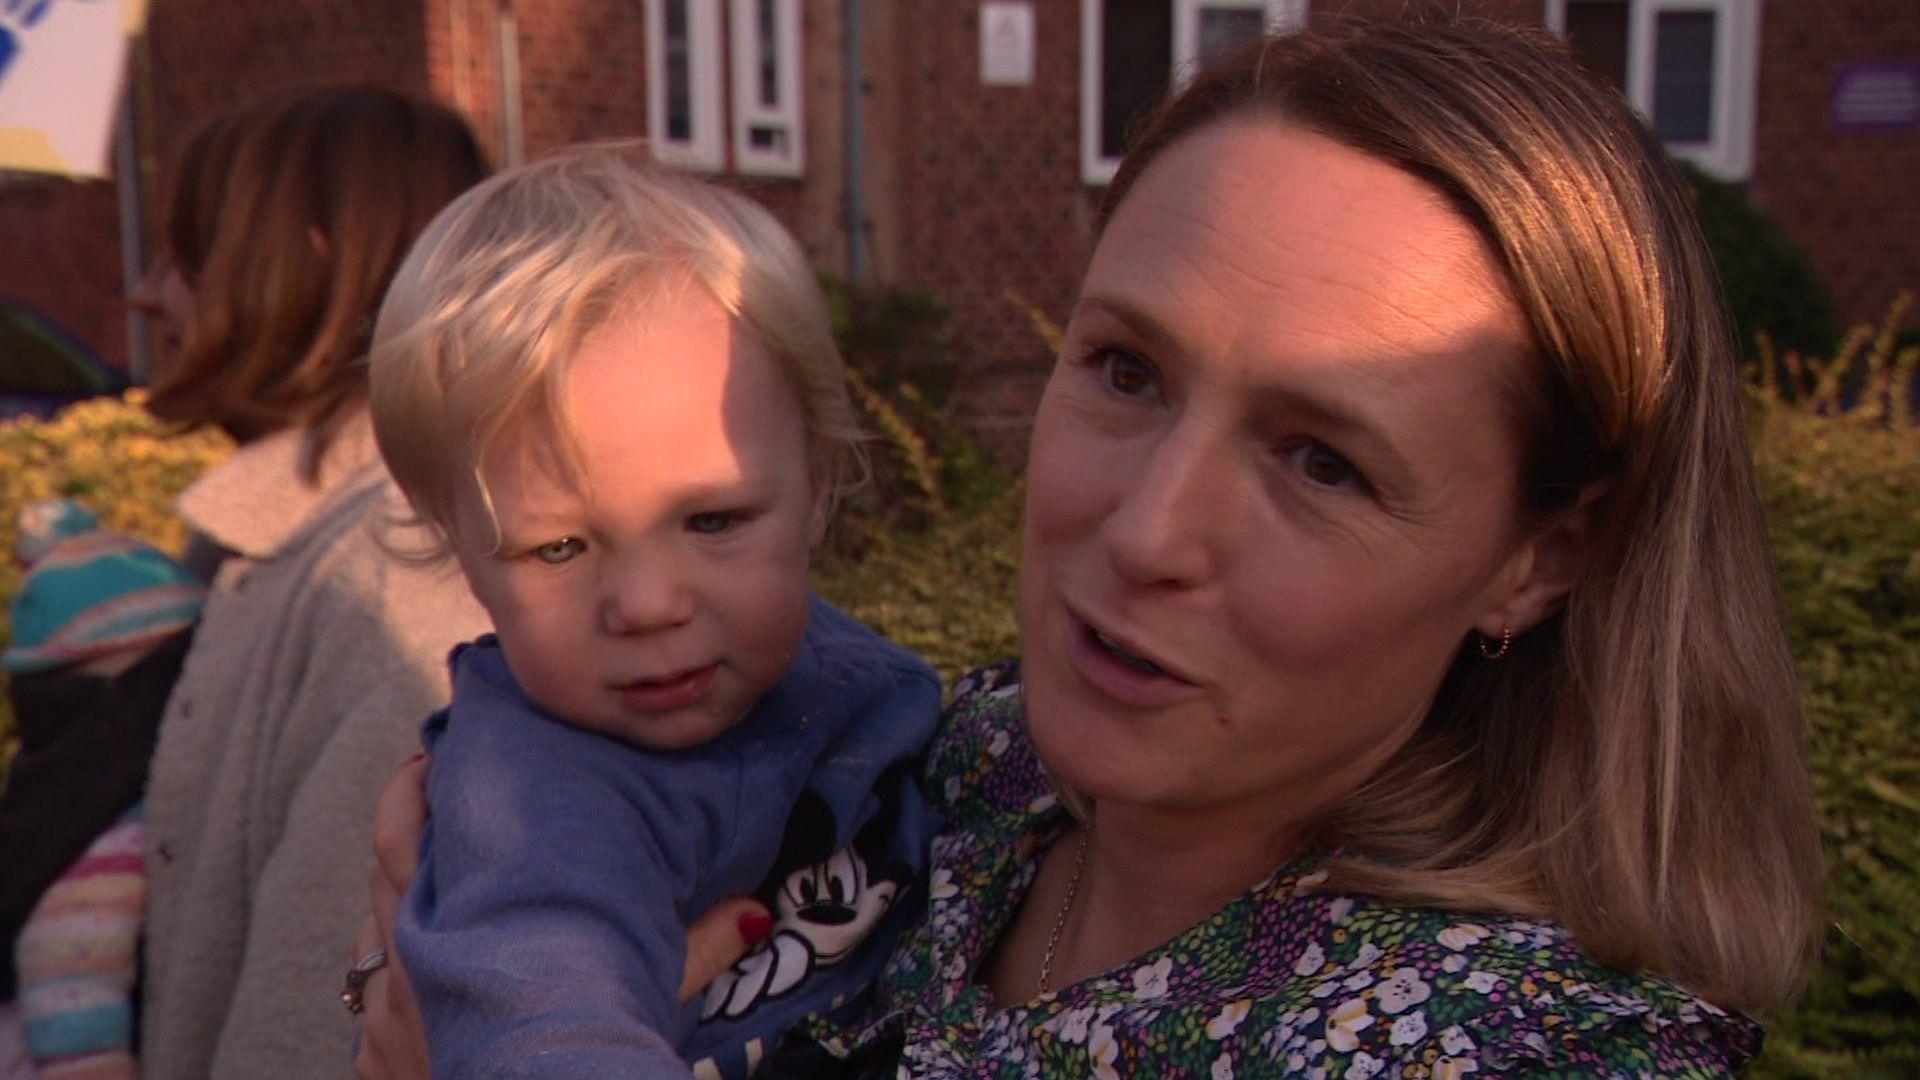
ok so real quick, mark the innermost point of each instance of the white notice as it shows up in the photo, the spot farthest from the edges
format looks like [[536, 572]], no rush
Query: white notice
[[1006, 43]]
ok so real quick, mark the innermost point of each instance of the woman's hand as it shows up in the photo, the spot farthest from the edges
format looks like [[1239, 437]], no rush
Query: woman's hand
[[393, 1041]]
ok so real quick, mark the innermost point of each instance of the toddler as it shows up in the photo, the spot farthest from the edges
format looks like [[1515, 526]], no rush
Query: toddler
[[614, 393], [99, 629]]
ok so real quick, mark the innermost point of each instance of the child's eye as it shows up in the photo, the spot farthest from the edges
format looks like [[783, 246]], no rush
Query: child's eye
[[712, 524], [559, 551], [1326, 467]]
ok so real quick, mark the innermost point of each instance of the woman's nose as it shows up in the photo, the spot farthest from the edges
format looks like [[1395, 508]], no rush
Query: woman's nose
[[145, 296], [1160, 532], [644, 595]]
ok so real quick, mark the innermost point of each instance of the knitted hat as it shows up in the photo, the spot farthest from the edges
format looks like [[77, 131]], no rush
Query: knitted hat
[[89, 592]]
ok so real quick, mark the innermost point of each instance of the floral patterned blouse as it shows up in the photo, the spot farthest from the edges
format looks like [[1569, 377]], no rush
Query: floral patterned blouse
[[1285, 981]]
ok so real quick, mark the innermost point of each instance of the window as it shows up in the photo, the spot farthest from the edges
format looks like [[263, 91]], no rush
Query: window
[[766, 87], [1133, 51], [1689, 66], [683, 83]]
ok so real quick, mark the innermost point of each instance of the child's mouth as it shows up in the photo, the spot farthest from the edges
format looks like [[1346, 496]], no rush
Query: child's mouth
[[676, 691]]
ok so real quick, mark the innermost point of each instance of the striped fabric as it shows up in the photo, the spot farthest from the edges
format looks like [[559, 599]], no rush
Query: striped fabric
[[77, 955], [92, 593]]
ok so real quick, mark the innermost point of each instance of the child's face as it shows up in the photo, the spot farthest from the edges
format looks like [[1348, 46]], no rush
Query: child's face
[[661, 594]]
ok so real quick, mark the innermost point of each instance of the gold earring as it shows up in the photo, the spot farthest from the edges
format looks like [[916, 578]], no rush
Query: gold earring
[[1506, 642]]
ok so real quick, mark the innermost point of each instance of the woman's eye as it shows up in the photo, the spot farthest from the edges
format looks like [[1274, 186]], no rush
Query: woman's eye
[[1126, 374], [1324, 466], [712, 524], [559, 551]]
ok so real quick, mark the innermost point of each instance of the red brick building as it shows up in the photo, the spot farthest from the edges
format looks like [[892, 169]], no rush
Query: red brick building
[[986, 128]]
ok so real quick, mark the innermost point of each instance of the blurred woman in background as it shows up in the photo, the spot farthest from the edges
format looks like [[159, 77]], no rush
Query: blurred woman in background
[[318, 650]]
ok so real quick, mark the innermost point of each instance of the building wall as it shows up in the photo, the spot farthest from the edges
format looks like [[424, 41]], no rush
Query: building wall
[[972, 193], [60, 254], [1852, 199], [198, 56], [990, 209]]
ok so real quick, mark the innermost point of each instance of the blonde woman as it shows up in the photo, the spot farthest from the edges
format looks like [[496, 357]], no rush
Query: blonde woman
[[1404, 689], [317, 652]]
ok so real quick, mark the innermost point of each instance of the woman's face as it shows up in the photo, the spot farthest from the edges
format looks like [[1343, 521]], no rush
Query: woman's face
[[163, 295], [1272, 485]]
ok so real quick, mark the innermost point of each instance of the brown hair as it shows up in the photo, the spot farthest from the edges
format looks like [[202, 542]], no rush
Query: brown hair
[[1634, 767], [288, 218]]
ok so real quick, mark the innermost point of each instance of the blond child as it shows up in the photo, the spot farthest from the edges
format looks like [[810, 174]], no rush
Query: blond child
[[613, 393]]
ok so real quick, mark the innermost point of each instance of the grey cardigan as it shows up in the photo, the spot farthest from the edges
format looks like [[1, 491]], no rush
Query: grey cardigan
[[317, 657]]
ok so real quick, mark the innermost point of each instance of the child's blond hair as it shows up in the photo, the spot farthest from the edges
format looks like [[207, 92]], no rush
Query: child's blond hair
[[485, 315]]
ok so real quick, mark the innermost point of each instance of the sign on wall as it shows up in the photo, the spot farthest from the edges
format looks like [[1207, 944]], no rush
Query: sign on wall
[[1006, 43], [1877, 97], [61, 67]]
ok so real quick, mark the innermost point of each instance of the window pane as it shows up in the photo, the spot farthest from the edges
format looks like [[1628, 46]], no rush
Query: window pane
[[769, 55], [1224, 29], [1683, 76], [1597, 29], [679, 73], [1138, 44]]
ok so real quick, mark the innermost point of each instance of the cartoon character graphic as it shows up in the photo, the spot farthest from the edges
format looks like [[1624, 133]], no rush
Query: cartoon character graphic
[[822, 912]]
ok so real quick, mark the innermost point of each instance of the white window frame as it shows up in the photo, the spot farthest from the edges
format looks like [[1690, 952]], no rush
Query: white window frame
[[1098, 168], [1728, 151], [748, 112], [706, 148]]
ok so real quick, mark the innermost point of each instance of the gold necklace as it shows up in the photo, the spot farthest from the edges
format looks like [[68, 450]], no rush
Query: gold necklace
[[1066, 905]]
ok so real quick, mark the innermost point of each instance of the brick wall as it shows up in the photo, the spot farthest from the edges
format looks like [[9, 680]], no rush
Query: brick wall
[[1852, 199], [60, 254], [989, 196]]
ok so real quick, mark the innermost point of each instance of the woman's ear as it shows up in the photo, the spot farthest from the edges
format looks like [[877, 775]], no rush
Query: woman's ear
[[1544, 569], [319, 241]]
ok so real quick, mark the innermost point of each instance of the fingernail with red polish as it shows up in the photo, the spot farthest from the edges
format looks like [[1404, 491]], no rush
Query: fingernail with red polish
[[755, 925]]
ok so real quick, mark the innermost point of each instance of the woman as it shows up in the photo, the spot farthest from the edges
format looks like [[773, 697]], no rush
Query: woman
[[317, 652], [1402, 658]]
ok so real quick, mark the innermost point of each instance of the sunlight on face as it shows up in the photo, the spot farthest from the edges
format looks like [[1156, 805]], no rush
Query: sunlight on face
[[658, 593], [1272, 486]]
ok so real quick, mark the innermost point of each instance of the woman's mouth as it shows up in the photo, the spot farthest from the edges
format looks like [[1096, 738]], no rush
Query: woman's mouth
[[1137, 663], [1122, 671]]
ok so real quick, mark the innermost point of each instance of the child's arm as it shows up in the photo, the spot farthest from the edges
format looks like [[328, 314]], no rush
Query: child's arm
[[543, 932], [77, 955]]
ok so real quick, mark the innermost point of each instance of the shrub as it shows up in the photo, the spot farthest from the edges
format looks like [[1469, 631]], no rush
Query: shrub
[[1843, 496], [1770, 283]]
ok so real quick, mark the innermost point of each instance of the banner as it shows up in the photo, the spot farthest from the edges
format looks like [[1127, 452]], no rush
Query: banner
[[62, 64]]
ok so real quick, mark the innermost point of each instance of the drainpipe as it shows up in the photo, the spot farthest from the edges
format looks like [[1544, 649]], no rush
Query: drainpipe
[[509, 27], [133, 256], [855, 179]]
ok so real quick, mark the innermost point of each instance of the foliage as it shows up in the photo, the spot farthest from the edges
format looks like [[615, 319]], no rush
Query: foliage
[[1843, 494], [109, 454], [1770, 283], [900, 367]]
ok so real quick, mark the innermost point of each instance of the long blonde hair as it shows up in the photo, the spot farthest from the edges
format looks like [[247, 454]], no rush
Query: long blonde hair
[[288, 217], [1634, 768]]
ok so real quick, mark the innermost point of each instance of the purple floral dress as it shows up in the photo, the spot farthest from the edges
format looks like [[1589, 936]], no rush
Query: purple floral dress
[[1285, 981]]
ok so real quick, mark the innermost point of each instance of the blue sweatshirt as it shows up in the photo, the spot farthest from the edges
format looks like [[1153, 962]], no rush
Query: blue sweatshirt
[[544, 932]]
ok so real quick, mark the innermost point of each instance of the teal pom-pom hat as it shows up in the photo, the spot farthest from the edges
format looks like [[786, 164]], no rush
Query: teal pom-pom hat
[[90, 592]]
